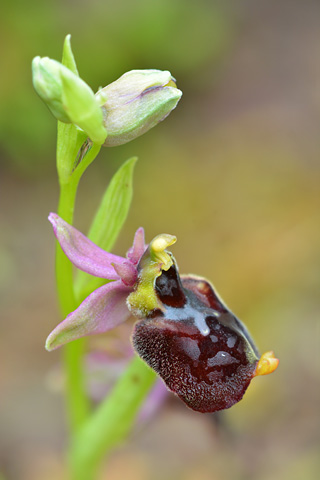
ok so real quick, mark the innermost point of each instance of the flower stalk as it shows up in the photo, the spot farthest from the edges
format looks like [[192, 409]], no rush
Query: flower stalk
[[76, 400], [93, 433], [69, 141]]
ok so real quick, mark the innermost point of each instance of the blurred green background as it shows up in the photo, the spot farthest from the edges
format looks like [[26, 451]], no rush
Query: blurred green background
[[234, 172]]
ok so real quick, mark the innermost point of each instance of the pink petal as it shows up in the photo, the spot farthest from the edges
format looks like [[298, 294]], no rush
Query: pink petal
[[127, 272], [83, 253], [136, 251], [103, 310]]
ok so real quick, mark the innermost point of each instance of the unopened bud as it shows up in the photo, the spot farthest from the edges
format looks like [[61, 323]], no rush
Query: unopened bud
[[136, 102], [48, 85], [68, 97]]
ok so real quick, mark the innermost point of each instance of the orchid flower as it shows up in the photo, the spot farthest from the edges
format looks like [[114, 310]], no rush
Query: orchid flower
[[202, 352]]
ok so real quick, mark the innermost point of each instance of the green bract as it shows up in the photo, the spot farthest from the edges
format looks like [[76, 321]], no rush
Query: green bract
[[68, 97], [136, 102], [82, 106]]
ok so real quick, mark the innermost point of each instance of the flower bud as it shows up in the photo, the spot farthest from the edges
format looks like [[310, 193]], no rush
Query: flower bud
[[136, 102], [68, 97], [48, 85]]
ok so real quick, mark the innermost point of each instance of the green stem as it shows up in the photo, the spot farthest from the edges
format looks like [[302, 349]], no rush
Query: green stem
[[76, 399], [111, 422], [66, 296]]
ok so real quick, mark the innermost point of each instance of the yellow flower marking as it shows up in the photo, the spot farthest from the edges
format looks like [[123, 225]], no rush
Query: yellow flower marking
[[268, 363]]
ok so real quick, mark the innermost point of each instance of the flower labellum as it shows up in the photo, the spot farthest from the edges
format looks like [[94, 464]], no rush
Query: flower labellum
[[136, 102], [207, 355], [184, 331]]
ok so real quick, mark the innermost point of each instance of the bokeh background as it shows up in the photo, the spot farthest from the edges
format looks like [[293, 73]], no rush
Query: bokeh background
[[234, 172]]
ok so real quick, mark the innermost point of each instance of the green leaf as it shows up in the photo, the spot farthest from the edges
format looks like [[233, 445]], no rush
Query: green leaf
[[114, 207], [108, 221]]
